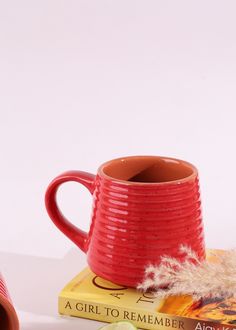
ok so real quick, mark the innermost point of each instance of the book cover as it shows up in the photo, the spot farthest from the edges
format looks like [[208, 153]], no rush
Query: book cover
[[89, 296]]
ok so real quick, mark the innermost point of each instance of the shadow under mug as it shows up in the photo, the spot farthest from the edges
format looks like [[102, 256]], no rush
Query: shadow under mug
[[144, 207]]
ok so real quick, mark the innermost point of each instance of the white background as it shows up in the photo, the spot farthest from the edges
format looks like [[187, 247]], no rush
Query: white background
[[82, 82]]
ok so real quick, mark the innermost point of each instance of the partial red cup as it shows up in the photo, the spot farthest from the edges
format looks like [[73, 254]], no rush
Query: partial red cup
[[8, 316], [144, 207]]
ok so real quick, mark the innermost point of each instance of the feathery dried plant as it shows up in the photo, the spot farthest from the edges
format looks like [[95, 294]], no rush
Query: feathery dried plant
[[200, 279]]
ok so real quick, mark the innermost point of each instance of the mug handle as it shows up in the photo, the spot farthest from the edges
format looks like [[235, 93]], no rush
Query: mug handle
[[78, 236]]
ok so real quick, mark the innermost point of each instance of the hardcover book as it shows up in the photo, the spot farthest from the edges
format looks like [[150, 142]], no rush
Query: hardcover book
[[89, 296]]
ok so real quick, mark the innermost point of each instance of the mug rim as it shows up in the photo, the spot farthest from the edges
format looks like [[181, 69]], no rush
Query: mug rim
[[190, 177]]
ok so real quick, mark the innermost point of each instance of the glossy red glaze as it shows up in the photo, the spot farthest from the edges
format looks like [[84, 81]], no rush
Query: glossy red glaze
[[79, 237], [8, 317], [144, 207]]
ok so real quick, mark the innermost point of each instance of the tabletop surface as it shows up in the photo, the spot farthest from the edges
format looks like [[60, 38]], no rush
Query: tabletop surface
[[34, 283]]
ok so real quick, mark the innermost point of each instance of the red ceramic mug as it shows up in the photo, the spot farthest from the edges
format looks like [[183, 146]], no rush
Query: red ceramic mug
[[143, 207], [8, 317]]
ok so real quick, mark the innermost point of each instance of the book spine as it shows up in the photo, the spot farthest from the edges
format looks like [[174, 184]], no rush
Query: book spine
[[141, 319]]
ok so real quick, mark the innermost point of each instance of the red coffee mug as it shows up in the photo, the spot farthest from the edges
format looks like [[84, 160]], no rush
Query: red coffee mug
[[8, 317], [143, 207]]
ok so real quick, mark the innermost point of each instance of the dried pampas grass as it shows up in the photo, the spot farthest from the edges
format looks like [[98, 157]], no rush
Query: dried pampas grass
[[200, 279]]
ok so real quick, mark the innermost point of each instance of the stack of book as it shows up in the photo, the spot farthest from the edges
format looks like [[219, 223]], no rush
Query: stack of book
[[89, 296]]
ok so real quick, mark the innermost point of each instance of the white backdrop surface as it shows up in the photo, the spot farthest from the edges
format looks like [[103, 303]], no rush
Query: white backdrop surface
[[82, 82]]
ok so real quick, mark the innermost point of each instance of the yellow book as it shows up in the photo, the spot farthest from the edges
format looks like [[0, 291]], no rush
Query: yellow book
[[89, 296]]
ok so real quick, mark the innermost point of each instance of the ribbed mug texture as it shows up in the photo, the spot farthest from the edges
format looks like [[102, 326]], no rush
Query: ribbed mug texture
[[134, 225], [8, 317], [144, 207]]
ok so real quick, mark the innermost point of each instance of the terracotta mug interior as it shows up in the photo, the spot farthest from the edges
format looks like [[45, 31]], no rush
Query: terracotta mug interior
[[148, 169]]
